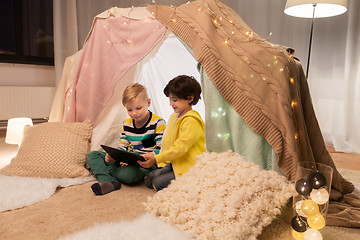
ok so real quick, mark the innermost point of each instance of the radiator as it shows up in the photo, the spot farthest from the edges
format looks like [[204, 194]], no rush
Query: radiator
[[18, 101]]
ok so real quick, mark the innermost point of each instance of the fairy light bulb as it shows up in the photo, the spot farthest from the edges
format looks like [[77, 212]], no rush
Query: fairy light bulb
[[292, 80], [296, 136], [316, 222], [226, 41], [320, 196], [312, 234], [297, 235], [129, 41], [310, 208], [250, 35], [298, 208], [173, 20], [293, 103]]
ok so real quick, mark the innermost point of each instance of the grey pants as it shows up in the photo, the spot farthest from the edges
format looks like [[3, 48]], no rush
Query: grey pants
[[160, 178]]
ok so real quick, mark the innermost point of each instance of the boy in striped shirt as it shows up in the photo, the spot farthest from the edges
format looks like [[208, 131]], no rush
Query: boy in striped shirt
[[142, 133]]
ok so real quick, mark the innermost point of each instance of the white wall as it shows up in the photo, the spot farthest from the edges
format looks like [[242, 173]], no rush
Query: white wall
[[29, 90], [26, 75]]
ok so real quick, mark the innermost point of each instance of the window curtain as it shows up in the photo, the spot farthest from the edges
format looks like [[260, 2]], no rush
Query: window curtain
[[334, 69]]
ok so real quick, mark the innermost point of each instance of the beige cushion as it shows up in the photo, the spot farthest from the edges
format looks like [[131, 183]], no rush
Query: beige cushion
[[222, 197], [53, 149]]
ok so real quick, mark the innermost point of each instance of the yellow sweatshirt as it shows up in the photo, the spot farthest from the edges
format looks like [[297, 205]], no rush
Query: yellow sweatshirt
[[184, 139]]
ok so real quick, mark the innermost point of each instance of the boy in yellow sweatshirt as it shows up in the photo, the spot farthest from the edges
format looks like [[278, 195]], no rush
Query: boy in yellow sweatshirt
[[184, 136]]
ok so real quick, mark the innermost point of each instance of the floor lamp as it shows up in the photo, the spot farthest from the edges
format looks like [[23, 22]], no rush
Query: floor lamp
[[314, 9]]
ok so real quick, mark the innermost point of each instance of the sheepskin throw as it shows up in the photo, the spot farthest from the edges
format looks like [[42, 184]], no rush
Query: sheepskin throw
[[53, 150], [222, 197]]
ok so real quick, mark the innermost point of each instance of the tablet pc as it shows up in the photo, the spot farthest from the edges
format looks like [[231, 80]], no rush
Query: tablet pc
[[123, 156]]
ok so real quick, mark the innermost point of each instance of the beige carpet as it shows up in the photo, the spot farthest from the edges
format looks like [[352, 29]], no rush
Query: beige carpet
[[76, 208], [72, 209]]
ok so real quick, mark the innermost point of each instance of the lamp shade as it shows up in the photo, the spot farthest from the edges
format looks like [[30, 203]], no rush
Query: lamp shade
[[15, 128], [324, 8]]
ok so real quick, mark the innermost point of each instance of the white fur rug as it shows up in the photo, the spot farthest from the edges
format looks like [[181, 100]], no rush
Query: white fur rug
[[146, 226], [17, 192]]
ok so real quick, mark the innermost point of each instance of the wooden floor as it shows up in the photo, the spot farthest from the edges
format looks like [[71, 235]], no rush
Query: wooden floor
[[342, 160], [345, 160]]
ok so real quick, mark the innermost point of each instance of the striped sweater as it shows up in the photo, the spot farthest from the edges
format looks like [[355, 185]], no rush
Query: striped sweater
[[145, 139]]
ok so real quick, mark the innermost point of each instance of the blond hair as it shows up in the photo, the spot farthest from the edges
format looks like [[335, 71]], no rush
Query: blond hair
[[132, 91]]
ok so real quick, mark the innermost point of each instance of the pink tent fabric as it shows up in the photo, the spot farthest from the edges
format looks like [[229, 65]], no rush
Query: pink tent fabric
[[114, 46]]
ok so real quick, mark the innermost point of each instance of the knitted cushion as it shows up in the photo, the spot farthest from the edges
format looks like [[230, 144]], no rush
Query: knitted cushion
[[222, 197], [53, 149]]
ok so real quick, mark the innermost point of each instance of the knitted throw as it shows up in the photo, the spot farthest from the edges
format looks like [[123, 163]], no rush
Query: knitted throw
[[260, 80]]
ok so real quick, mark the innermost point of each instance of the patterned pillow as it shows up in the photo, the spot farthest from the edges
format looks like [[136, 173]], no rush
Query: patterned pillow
[[53, 150]]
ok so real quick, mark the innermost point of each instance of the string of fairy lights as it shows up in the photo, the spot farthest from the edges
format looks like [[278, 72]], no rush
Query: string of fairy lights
[[242, 37], [217, 21]]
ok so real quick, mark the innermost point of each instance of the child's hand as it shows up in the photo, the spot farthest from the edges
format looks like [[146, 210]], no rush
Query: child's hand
[[149, 160], [149, 155], [109, 159], [123, 164]]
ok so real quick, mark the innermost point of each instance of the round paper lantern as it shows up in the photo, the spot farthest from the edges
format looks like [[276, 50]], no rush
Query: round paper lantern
[[316, 180], [302, 187], [312, 234], [317, 221], [299, 224], [297, 235], [320, 196], [310, 208]]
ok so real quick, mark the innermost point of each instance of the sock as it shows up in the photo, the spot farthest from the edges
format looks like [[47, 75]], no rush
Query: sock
[[102, 188]]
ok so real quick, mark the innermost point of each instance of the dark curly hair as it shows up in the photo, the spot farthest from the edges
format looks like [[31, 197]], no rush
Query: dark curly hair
[[183, 87]]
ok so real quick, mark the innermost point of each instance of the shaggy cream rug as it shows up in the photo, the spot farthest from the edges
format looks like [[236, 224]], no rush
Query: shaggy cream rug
[[146, 226], [17, 192]]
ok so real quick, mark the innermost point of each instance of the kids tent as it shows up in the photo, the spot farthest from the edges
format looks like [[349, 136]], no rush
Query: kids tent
[[256, 98]]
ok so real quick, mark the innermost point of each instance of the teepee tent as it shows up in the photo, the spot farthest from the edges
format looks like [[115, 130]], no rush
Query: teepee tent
[[162, 61], [256, 97]]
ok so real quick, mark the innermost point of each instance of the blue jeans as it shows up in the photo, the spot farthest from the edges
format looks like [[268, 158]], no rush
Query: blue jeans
[[160, 178]]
